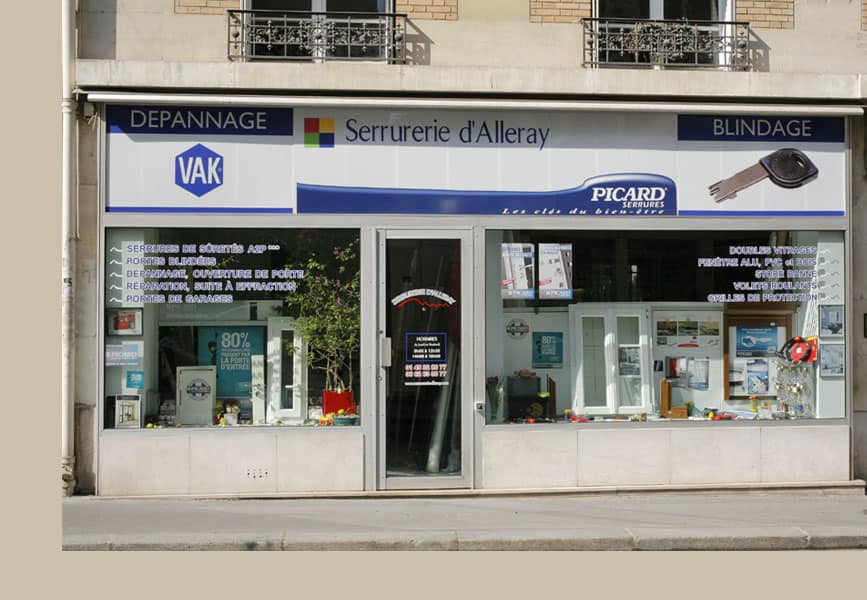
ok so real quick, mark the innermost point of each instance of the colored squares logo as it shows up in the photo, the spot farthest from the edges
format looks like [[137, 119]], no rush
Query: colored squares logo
[[318, 133]]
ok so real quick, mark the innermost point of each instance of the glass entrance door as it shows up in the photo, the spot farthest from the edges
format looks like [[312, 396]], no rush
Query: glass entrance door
[[425, 412]]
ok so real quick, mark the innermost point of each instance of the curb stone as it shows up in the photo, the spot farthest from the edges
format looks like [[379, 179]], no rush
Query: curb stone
[[788, 538], [610, 539], [837, 538], [410, 540]]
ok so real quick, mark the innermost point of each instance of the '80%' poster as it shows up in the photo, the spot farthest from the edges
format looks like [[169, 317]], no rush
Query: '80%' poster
[[230, 349]]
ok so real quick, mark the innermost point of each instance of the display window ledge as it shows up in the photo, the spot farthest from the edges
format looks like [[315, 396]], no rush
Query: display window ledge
[[669, 423], [247, 429]]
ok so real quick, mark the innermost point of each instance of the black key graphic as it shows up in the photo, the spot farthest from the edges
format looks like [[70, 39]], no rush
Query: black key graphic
[[787, 167]]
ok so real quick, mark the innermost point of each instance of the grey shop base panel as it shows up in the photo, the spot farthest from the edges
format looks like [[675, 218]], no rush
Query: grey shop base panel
[[664, 456], [300, 462], [215, 461]]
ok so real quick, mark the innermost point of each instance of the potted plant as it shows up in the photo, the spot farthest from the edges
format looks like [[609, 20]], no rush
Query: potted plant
[[327, 306]]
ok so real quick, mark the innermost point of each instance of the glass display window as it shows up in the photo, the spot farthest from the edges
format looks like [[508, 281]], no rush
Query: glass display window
[[706, 325], [232, 327]]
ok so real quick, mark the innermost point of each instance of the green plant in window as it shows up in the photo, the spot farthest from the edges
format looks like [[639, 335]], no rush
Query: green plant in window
[[327, 308], [495, 393]]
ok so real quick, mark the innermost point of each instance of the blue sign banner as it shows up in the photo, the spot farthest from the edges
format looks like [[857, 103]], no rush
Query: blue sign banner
[[760, 128], [547, 349], [230, 349], [213, 120], [756, 341], [618, 194]]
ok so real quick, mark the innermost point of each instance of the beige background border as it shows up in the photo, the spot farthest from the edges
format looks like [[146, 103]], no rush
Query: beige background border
[[34, 566]]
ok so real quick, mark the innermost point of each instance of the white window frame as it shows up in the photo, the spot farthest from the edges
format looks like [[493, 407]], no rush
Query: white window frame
[[726, 9], [298, 413], [609, 315], [322, 5]]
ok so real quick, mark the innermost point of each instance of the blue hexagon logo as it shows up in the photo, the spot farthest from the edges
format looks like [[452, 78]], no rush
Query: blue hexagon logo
[[199, 170]]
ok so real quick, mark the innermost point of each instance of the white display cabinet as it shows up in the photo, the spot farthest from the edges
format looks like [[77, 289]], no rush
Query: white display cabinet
[[196, 393]]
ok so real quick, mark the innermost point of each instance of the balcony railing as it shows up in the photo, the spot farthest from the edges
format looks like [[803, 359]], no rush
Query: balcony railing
[[316, 36], [662, 44]]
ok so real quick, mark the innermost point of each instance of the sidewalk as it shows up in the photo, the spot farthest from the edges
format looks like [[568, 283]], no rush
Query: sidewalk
[[600, 522]]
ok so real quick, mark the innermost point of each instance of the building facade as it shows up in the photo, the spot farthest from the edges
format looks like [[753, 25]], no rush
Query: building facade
[[363, 247]]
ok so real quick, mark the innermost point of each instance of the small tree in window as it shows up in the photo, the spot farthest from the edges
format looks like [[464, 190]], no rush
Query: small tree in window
[[327, 307]]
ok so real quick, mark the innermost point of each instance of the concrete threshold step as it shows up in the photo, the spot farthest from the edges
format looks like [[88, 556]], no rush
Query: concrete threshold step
[[848, 487]]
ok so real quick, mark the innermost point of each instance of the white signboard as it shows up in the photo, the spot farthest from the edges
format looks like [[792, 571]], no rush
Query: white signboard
[[219, 159]]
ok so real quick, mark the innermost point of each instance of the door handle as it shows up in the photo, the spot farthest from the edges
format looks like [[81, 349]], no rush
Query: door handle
[[385, 352]]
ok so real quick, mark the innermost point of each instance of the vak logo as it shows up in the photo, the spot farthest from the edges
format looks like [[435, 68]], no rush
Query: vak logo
[[318, 132], [199, 170]]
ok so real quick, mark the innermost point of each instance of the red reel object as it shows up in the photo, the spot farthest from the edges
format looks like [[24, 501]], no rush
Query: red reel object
[[814, 347], [800, 350]]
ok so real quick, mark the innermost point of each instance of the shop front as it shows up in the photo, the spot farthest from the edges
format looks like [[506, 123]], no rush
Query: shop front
[[314, 299]]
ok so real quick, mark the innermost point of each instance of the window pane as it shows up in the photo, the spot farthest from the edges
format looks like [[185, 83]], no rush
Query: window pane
[[423, 391], [187, 313], [624, 9], [281, 5], [629, 359], [629, 391], [593, 360], [627, 330], [692, 10], [355, 5], [716, 309], [287, 370]]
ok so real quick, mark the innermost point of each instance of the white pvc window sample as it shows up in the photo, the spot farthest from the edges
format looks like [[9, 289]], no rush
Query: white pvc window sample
[[287, 373], [611, 359]]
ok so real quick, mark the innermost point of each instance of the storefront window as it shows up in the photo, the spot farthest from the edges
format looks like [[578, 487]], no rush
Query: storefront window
[[231, 327], [645, 326]]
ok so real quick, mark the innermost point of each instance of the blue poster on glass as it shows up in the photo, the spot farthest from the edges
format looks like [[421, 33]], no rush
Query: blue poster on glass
[[135, 380], [756, 341], [230, 349], [547, 349]]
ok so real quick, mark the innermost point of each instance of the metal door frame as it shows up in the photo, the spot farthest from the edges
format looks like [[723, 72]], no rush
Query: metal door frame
[[465, 479]]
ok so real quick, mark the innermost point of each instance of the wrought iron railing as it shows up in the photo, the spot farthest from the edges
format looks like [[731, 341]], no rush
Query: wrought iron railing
[[664, 43], [316, 36]]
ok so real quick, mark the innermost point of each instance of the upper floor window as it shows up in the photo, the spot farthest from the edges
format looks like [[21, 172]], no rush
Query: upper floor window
[[316, 30], [691, 10], [696, 33], [320, 5]]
